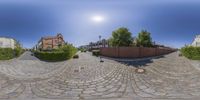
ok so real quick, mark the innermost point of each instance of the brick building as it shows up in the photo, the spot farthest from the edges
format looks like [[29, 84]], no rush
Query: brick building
[[50, 42]]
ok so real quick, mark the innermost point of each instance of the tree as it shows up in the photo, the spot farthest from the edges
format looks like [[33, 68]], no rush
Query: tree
[[18, 49], [121, 37], [144, 39]]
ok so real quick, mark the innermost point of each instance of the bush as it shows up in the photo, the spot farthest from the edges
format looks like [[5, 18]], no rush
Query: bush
[[96, 52], [63, 53], [83, 50], [191, 52], [51, 56], [75, 56], [18, 51], [6, 53]]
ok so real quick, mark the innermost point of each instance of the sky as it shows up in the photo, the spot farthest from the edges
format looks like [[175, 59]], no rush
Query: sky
[[171, 22]]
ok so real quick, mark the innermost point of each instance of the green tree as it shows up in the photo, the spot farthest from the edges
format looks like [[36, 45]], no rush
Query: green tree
[[18, 49], [144, 39], [121, 37]]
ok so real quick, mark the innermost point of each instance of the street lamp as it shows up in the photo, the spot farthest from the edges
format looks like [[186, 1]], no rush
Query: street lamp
[[99, 47], [99, 40]]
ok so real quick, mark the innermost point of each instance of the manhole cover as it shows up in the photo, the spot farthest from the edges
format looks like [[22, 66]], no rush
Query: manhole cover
[[140, 70]]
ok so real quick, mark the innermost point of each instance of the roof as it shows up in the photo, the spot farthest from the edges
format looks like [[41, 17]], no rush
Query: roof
[[49, 37]]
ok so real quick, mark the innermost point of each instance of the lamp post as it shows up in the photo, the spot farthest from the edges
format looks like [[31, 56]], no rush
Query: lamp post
[[99, 47], [99, 40]]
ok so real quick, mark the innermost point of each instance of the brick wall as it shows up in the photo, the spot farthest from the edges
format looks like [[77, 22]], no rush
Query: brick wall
[[134, 52]]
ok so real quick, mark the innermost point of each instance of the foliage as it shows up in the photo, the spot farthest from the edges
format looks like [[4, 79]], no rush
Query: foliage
[[144, 39], [18, 51], [63, 53], [121, 37], [6, 53], [191, 52], [82, 50], [9, 53], [95, 53], [51, 56], [70, 50], [75, 56]]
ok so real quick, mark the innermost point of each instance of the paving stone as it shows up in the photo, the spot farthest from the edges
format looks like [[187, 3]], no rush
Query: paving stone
[[168, 77]]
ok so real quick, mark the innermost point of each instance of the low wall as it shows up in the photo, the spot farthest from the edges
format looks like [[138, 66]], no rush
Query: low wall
[[134, 52]]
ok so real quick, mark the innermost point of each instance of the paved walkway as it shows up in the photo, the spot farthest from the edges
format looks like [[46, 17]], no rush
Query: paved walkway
[[170, 77], [27, 56]]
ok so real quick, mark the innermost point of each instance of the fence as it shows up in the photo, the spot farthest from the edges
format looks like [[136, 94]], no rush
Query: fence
[[134, 52]]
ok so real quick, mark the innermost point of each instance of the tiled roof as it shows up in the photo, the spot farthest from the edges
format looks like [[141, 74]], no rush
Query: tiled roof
[[49, 37]]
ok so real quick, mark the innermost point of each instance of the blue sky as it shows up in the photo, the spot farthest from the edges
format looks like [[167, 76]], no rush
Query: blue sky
[[170, 22]]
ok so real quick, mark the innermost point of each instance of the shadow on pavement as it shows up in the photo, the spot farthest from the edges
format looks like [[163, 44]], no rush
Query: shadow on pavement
[[142, 62]]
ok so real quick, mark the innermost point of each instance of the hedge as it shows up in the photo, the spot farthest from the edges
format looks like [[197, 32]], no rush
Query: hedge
[[95, 53], [18, 51], [64, 53], [6, 53], [9, 53], [52, 56], [191, 52]]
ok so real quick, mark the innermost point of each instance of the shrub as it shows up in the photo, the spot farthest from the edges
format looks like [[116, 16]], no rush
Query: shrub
[[96, 52], [18, 51], [75, 56], [83, 50], [63, 53], [6, 53], [191, 52], [51, 56]]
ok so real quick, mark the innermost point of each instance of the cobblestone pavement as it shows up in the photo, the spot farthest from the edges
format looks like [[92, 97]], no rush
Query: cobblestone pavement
[[169, 77], [27, 56]]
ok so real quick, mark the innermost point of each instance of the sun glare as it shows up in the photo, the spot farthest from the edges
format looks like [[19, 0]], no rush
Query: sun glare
[[98, 19]]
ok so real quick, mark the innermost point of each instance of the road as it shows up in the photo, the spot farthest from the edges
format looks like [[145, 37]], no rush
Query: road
[[27, 56]]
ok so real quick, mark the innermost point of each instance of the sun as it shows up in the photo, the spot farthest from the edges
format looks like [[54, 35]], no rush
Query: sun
[[98, 18]]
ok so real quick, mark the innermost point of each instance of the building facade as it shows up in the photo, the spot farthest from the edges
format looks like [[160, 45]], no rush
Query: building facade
[[50, 42], [7, 42], [196, 42], [98, 44]]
